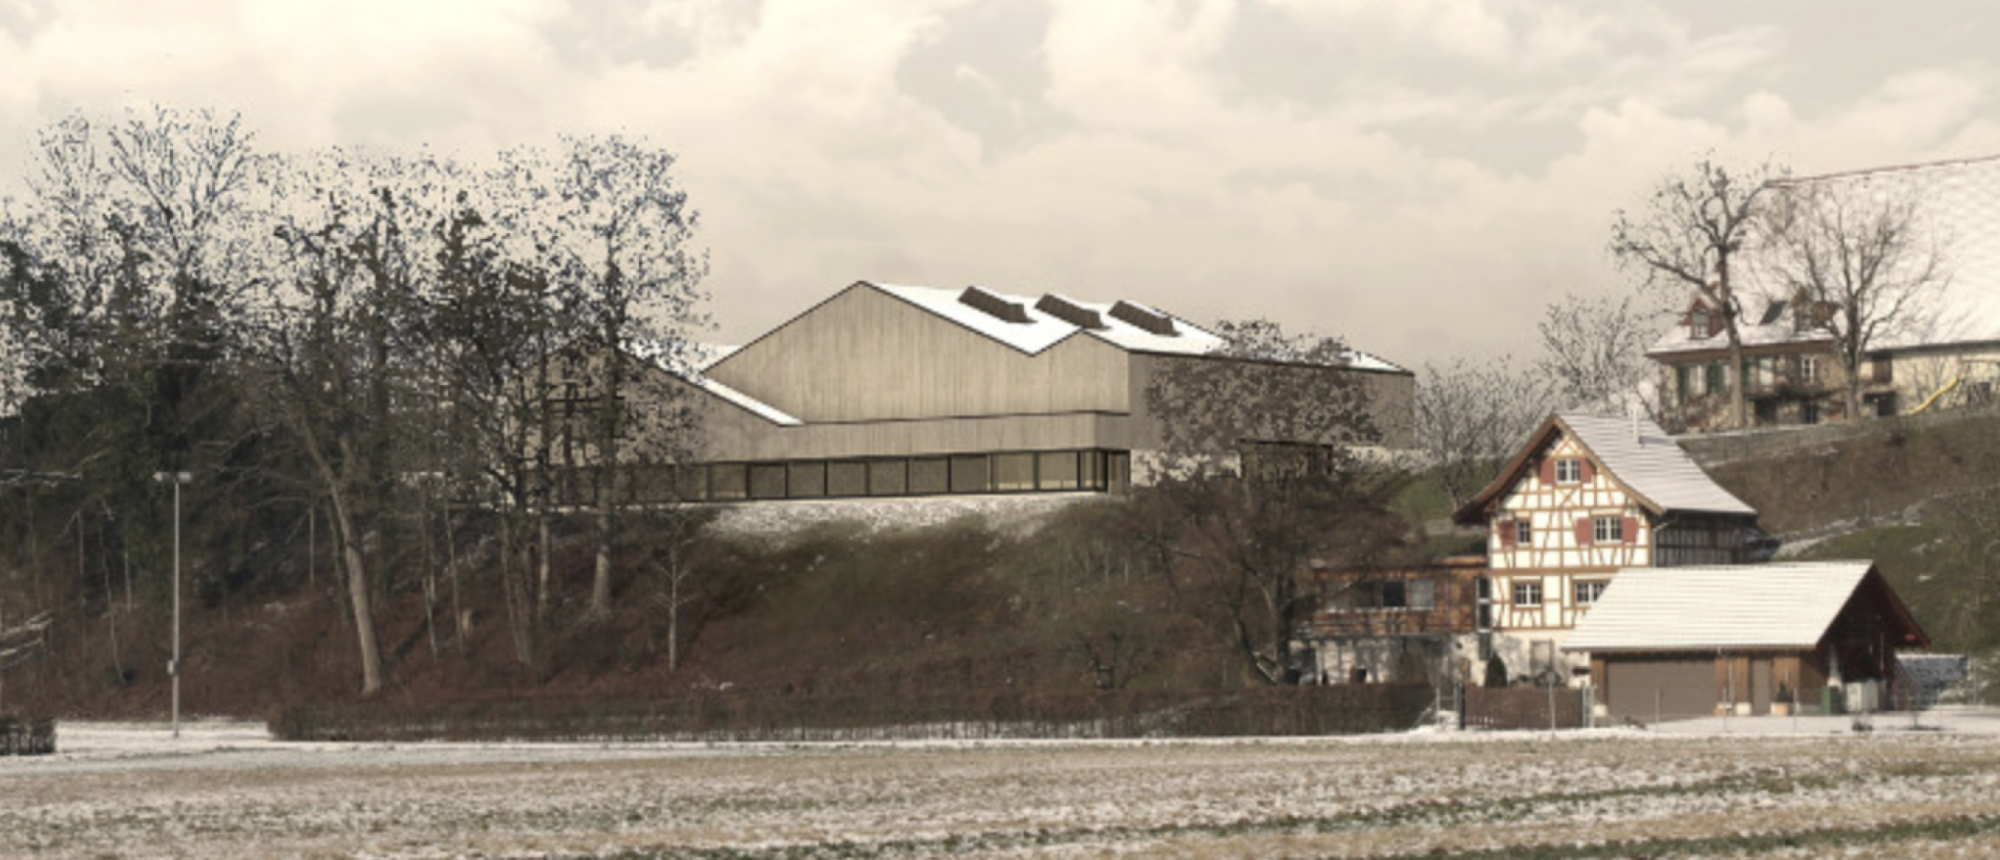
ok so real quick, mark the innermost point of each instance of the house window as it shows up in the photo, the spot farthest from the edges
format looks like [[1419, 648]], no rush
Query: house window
[[1393, 595], [1569, 470], [1528, 593], [1607, 530], [1421, 593], [1523, 532], [1717, 379], [1809, 412], [1682, 380], [1699, 326], [1587, 591], [1808, 368]]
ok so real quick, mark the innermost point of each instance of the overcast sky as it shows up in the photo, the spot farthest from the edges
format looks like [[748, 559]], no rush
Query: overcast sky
[[1419, 176]]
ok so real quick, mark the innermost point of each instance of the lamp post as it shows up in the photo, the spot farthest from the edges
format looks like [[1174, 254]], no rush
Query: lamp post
[[174, 665]]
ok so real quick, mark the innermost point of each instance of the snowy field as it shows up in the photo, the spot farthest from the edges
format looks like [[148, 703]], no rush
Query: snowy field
[[1769, 787]]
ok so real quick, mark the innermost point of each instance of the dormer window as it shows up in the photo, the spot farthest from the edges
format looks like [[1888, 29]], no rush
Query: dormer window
[[1700, 325]]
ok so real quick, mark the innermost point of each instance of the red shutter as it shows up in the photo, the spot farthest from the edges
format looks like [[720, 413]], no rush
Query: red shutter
[[1506, 533], [1548, 470], [1588, 472], [1583, 533], [1631, 529]]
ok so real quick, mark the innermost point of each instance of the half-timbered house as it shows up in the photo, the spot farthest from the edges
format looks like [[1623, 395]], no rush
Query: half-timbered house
[[1583, 498]]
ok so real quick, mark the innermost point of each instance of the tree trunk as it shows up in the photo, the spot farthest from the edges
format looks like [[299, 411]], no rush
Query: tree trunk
[[674, 621], [357, 593], [545, 545], [1739, 401], [607, 489], [519, 611]]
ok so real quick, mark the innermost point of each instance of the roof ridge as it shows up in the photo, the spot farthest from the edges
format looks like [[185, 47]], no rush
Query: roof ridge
[[1892, 168]]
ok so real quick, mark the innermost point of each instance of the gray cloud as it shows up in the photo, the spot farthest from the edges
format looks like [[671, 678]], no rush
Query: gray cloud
[[1421, 176]]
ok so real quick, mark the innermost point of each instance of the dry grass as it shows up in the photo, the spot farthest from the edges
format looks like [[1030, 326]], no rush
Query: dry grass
[[1579, 796]]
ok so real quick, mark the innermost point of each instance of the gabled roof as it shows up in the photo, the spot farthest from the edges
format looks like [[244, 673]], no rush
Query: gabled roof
[[1787, 606], [1639, 455]]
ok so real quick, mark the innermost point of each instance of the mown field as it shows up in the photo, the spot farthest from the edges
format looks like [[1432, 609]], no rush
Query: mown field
[[225, 791]]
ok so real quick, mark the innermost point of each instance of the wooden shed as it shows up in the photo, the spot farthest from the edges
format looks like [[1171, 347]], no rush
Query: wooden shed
[[1667, 643]]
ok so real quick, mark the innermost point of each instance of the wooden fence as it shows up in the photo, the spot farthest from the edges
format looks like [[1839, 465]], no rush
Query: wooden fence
[[1523, 708]]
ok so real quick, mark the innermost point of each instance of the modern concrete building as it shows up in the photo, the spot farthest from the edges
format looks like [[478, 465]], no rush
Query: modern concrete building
[[884, 390]]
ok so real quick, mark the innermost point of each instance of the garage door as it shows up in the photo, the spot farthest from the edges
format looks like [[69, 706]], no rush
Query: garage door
[[1663, 688]]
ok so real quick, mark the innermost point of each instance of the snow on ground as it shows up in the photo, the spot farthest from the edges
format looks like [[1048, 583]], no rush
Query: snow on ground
[[1704, 788]]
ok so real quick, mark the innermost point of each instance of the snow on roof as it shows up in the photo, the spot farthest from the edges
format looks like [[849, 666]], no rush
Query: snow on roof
[[1043, 329], [1651, 464], [762, 409], [1788, 606], [688, 361], [1959, 207]]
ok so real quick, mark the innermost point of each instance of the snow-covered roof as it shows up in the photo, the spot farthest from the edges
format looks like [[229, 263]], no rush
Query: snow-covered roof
[[1638, 455], [1043, 330], [688, 361], [1651, 464], [1040, 329], [759, 407], [1959, 209], [1750, 606]]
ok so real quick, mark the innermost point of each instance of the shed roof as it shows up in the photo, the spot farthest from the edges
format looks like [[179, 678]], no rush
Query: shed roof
[[1788, 606], [1639, 455]]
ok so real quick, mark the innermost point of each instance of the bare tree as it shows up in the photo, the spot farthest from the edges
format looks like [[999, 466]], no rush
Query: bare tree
[[1689, 237], [1594, 353], [1471, 414], [1861, 265], [1265, 476], [350, 258], [614, 230]]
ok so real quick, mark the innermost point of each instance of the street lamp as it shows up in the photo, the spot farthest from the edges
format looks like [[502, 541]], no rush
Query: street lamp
[[174, 665]]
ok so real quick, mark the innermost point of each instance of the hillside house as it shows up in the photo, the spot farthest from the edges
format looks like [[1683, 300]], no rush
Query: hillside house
[[1662, 645], [1943, 353], [894, 391], [1583, 498]]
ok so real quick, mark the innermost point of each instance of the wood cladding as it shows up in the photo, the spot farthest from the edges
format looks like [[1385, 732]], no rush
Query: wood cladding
[[865, 355]]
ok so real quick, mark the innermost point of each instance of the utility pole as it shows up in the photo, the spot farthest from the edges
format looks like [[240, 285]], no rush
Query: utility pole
[[174, 665]]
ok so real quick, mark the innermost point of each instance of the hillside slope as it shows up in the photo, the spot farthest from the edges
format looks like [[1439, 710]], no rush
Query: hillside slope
[[1921, 497]]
